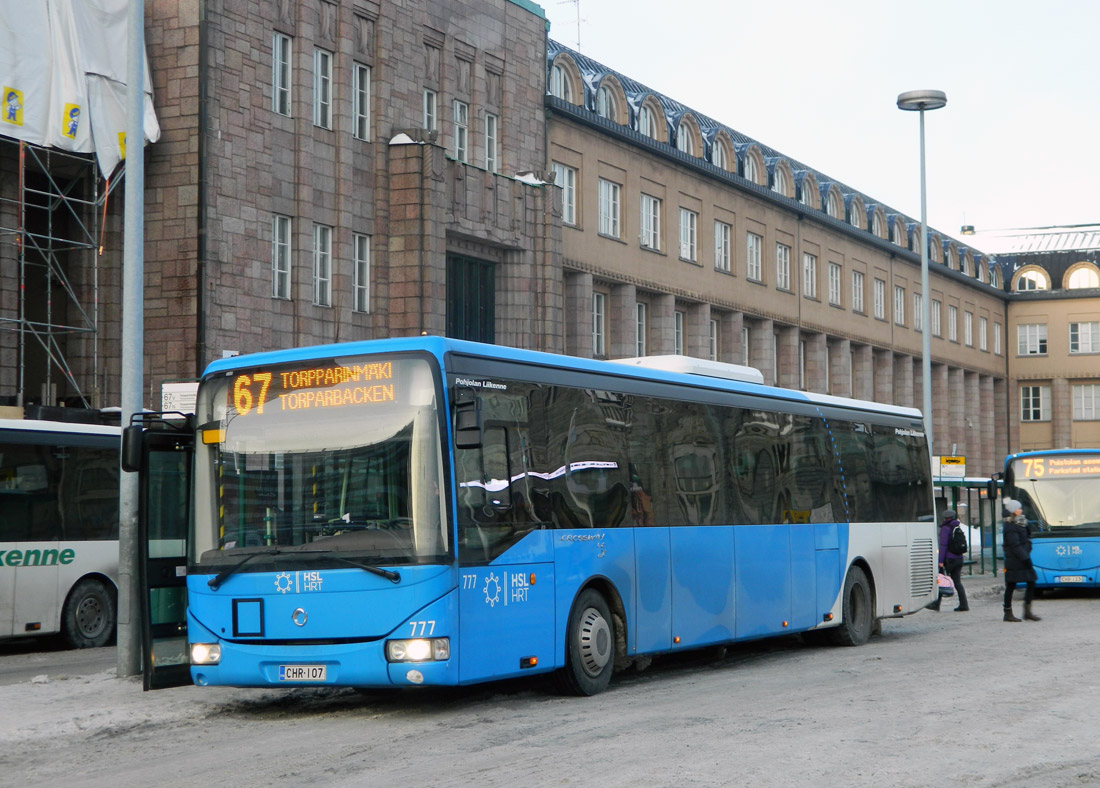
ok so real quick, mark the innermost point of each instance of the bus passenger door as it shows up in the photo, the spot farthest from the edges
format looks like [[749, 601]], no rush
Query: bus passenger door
[[164, 515]]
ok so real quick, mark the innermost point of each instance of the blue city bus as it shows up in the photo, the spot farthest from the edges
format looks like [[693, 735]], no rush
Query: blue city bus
[[428, 511], [1060, 491]]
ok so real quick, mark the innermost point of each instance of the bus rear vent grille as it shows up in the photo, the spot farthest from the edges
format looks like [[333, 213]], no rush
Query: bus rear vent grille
[[922, 566]]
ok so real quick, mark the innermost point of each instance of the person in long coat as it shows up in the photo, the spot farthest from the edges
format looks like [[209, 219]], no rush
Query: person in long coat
[[1018, 568]]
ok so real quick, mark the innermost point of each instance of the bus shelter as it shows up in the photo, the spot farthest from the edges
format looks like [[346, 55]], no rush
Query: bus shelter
[[975, 499]]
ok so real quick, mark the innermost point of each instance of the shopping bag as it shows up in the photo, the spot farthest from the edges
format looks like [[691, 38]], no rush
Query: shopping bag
[[947, 588]]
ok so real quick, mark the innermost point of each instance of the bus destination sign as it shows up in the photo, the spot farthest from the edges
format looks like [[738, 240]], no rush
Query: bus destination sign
[[328, 386], [1058, 466]]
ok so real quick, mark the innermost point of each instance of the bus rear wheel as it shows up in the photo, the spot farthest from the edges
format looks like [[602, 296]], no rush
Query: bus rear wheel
[[88, 620], [857, 611], [589, 647]]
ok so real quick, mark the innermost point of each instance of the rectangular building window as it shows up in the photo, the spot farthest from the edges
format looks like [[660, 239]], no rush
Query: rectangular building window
[[968, 329], [1084, 337], [746, 336], [1031, 339], [599, 323], [713, 337], [609, 208], [461, 150], [983, 331], [918, 311], [641, 328], [322, 88], [754, 250], [360, 280], [280, 257], [360, 110], [783, 266], [492, 147], [936, 306], [834, 284], [678, 333], [722, 234], [322, 265], [431, 113], [280, 74], [809, 275], [899, 305], [952, 323], [689, 235], [997, 338], [1086, 402], [651, 222], [857, 291], [566, 179], [880, 299], [1035, 403]]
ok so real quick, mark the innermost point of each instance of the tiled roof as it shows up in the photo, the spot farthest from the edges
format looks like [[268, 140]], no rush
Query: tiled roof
[[1033, 240]]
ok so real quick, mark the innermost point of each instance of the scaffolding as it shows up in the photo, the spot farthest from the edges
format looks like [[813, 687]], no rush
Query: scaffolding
[[50, 206]]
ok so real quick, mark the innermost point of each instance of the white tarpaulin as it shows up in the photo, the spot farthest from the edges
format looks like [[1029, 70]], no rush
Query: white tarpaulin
[[63, 76]]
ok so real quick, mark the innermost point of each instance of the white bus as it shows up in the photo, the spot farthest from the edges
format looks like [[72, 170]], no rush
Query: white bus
[[59, 530]]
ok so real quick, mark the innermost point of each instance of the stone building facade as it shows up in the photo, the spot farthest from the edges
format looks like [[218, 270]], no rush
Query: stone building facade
[[333, 171]]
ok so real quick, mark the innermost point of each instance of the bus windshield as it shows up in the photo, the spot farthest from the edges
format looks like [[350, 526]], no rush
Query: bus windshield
[[338, 457], [1060, 491]]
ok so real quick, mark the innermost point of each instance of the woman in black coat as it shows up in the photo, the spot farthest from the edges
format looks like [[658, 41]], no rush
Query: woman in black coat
[[1018, 568]]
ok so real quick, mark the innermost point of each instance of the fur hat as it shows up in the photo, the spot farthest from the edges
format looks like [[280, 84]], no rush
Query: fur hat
[[949, 514], [1012, 505]]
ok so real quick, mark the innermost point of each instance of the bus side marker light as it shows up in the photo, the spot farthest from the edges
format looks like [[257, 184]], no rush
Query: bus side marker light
[[532, 578], [528, 662], [676, 639], [33, 627], [827, 617], [897, 608], [786, 623]]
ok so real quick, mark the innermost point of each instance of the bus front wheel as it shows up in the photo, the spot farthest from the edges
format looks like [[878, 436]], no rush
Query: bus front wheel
[[589, 647], [88, 620], [857, 611]]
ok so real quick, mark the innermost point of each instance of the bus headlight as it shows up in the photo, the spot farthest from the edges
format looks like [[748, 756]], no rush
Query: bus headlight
[[419, 650], [206, 653]]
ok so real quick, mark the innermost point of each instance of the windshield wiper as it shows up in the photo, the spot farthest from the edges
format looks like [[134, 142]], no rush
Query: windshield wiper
[[224, 575], [393, 577]]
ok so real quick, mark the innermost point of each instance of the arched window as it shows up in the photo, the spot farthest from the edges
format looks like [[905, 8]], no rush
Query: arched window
[[1033, 279], [1083, 277], [856, 215], [686, 136], [808, 194], [878, 222], [780, 183], [561, 84], [750, 168], [718, 154], [897, 231], [649, 119], [607, 105], [834, 205]]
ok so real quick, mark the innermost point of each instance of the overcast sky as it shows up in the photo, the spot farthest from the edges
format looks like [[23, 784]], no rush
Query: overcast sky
[[1018, 144]]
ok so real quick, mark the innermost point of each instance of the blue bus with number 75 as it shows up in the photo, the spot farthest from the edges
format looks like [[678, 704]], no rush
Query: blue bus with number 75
[[1060, 493], [427, 511]]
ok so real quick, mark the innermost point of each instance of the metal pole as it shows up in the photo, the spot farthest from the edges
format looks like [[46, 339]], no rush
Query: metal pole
[[926, 301], [129, 600]]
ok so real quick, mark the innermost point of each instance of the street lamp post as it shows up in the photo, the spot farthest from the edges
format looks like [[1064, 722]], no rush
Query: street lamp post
[[919, 101]]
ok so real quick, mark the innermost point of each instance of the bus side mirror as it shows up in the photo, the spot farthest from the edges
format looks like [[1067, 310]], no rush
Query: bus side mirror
[[132, 440], [467, 419]]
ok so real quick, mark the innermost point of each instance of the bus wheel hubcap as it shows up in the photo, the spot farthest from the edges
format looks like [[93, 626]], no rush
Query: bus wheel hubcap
[[89, 617], [595, 641]]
